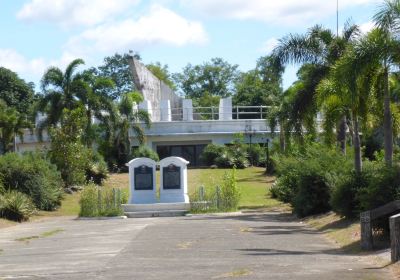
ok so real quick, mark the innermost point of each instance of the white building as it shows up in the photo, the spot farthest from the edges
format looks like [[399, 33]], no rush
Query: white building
[[178, 128]]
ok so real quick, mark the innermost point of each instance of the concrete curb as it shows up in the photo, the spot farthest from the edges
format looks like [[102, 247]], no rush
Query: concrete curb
[[226, 214], [101, 218]]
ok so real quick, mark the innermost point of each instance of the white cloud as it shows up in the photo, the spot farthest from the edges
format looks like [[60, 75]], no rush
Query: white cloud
[[287, 12], [32, 69], [367, 26], [159, 26], [73, 12], [269, 45]]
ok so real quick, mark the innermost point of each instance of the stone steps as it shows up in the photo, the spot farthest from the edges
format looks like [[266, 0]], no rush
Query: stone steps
[[156, 210], [150, 214]]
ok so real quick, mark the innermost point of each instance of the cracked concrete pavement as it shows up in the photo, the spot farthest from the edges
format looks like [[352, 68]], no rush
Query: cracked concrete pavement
[[247, 246]]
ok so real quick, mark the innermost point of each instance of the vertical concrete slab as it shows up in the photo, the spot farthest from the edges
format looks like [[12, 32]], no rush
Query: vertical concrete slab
[[225, 109], [173, 180], [142, 181], [187, 107], [165, 107], [146, 106]]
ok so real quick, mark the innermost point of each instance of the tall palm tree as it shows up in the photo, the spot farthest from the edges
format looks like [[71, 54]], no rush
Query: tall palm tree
[[387, 19], [59, 92], [320, 48]]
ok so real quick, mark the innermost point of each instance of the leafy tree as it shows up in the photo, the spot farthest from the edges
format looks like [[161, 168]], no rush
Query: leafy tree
[[59, 92], [116, 146], [385, 50], [216, 77], [15, 92], [116, 68], [319, 48], [12, 124], [162, 73], [67, 152]]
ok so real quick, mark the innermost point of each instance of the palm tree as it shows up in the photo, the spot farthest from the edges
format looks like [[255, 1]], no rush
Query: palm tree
[[387, 19], [320, 48], [348, 89], [59, 92]]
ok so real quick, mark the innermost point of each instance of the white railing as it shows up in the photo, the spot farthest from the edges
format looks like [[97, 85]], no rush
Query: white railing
[[212, 113]]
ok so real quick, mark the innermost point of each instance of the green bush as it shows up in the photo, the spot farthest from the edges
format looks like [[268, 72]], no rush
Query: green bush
[[34, 176], [97, 171], [230, 192], [97, 202], [256, 155], [306, 177], [16, 206], [144, 151], [375, 186], [211, 152]]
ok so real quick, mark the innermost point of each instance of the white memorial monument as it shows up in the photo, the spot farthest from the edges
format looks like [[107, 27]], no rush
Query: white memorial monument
[[173, 183], [142, 181]]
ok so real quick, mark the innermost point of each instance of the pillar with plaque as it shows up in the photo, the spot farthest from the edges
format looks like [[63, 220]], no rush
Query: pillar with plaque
[[142, 181], [173, 183]]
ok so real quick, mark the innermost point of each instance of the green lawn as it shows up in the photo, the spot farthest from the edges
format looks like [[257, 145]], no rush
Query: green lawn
[[254, 186]]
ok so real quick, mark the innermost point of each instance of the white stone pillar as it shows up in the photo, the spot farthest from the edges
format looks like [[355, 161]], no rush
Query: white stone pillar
[[146, 106], [173, 180], [187, 107], [225, 109], [165, 106], [142, 181]]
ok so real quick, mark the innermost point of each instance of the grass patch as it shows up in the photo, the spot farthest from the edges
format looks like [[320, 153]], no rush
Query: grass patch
[[234, 274], [27, 238], [252, 181], [45, 234], [344, 232]]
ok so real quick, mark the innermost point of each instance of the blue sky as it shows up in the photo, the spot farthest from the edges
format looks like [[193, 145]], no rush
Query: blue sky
[[36, 34]]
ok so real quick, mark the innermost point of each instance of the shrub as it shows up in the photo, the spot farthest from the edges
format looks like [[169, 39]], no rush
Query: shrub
[[96, 202], [256, 155], [34, 176], [230, 192], [97, 171], [144, 151], [67, 152], [16, 206], [211, 152], [305, 178]]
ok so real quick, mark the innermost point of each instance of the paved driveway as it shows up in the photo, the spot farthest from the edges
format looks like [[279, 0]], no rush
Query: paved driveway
[[251, 246]]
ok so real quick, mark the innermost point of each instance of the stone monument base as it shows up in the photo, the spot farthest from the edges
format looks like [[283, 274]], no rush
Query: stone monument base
[[156, 210]]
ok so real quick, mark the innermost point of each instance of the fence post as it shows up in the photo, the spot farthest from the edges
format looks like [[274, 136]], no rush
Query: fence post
[[119, 197], [99, 200], [237, 112], [261, 111], [394, 225], [366, 230], [218, 193], [114, 198]]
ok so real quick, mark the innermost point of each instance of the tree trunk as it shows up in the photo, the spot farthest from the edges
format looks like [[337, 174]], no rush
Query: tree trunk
[[357, 145], [341, 136], [387, 121]]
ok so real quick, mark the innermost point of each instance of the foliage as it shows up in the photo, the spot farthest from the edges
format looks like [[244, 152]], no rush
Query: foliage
[[256, 154], [12, 124], [216, 77], [96, 202], [145, 151], [16, 206], [375, 186], [67, 152], [116, 67], [15, 92], [210, 153], [306, 176], [97, 171], [34, 176], [162, 73], [261, 86], [225, 198]]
